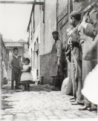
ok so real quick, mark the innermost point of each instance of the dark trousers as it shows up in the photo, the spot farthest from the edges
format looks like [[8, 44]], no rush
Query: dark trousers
[[57, 81], [16, 79], [27, 86]]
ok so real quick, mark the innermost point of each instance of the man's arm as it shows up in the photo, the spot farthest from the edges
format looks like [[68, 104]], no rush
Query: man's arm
[[59, 50]]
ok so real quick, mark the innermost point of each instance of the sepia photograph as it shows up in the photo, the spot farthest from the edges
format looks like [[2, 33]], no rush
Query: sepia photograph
[[48, 60]]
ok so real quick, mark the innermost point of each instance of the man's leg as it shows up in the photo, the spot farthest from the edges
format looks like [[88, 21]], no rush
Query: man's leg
[[74, 83], [25, 87], [87, 104], [12, 84], [54, 81], [28, 86], [15, 81], [17, 77], [79, 84], [72, 76], [58, 82], [12, 81], [70, 86]]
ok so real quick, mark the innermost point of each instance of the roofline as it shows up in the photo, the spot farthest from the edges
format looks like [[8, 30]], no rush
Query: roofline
[[3, 43], [14, 42], [18, 2], [41, 3], [30, 16]]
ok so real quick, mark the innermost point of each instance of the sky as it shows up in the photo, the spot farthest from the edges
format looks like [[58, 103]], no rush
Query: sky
[[14, 19]]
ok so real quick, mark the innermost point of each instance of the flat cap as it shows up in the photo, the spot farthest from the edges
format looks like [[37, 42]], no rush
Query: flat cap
[[75, 13], [55, 32]]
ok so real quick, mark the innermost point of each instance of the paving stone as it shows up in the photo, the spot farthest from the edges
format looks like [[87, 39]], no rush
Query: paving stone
[[53, 117], [6, 120], [48, 113], [20, 119], [72, 116], [20, 115], [8, 116], [31, 119], [42, 105], [90, 113], [42, 118], [63, 117]]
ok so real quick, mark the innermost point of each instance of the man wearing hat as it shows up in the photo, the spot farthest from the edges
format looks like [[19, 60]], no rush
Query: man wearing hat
[[56, 61], [76, 58]]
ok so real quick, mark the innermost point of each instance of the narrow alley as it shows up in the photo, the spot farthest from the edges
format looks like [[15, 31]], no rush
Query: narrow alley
[[48, 59]]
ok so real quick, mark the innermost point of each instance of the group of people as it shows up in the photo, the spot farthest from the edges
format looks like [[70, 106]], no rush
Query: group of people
[[21, 71], [81, 52], [81, 56]]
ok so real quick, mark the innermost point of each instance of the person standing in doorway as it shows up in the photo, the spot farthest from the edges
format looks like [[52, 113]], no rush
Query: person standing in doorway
[[16, 69], [56, 61]]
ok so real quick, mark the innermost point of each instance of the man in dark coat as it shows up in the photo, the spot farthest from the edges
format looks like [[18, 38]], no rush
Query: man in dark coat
[[16, 69]]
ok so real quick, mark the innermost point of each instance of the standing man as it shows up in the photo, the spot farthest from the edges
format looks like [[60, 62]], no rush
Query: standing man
[[56, 61], [16, 69], [76, 63]]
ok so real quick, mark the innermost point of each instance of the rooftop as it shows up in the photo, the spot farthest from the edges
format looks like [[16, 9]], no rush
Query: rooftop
[[12, 41]]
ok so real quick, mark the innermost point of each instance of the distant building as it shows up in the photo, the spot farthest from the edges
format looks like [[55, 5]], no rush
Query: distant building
[[4, 51], [46, 17], [4, 56], [21, 45]]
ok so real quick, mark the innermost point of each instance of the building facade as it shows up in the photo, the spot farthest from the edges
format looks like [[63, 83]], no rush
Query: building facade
[[4, 52], [4, 56], [21, 45], [46, 17]]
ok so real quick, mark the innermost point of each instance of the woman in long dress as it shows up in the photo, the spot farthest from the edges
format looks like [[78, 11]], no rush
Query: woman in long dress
[[26, 77]]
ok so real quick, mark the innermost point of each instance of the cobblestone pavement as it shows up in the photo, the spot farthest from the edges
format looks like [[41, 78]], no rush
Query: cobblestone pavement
[[37, 105]]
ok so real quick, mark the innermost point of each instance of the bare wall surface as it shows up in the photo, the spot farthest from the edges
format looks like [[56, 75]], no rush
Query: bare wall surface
[[50, 23]]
